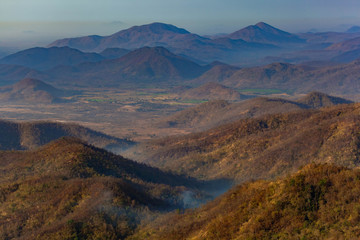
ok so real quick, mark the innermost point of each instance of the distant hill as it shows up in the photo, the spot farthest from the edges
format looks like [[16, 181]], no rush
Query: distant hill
[[303, 205], [46, 58], [30, 135], [347, 57], [212, 91], [113, 53], [10, 74], [264, 33], [142, 65], [353, 29], [31, 90], [318, 100], [262, 147], [347, 45], [83, 192]]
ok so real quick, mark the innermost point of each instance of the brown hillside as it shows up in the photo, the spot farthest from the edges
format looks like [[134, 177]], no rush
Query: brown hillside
[[70, 190], [318, 202], [263, 147]]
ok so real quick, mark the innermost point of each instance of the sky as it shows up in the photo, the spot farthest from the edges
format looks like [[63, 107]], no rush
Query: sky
[[26, 23]]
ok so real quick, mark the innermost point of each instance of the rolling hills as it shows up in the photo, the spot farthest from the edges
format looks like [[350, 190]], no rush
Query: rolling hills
[[317, 202], [68, 189], [214, 113], [262, 147]]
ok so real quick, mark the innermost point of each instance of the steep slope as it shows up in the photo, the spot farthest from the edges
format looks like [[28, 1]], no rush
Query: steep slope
[[141, 65], [46, 58], [69, 189], [317, 202], [30, 135], [31, 91], [212, 91], [264, 33], [262, 147]]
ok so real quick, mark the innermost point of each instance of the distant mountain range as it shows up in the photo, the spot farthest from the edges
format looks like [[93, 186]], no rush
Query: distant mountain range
[[142, 65]]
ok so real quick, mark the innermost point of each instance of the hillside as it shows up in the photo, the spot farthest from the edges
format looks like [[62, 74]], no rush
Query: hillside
[[142, 65], [317, 202], [31, 91], [214, 113], [216, 73], [46, 58], [264, 33], [68, 189], [319, 100], [30, 135], [347, 45], [113, 53], [263, 147], [212, 91]]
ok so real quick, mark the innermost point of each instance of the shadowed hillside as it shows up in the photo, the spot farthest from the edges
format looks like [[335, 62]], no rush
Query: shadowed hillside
[[317, 202], [30, 135], [70, 190]]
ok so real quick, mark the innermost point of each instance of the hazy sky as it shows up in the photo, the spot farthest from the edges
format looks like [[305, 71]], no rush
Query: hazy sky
[[31, 22]]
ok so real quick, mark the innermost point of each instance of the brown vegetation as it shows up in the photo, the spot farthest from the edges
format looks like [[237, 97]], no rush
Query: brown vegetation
[[318, 202]]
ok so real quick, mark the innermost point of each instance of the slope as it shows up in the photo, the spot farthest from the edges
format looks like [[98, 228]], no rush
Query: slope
[[68, 189], [30, 135], [317, 202], [264, 33], [262, 147], [31, 91]]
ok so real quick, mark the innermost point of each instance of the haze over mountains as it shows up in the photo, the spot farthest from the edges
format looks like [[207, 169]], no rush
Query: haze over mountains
[[207, 113]]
